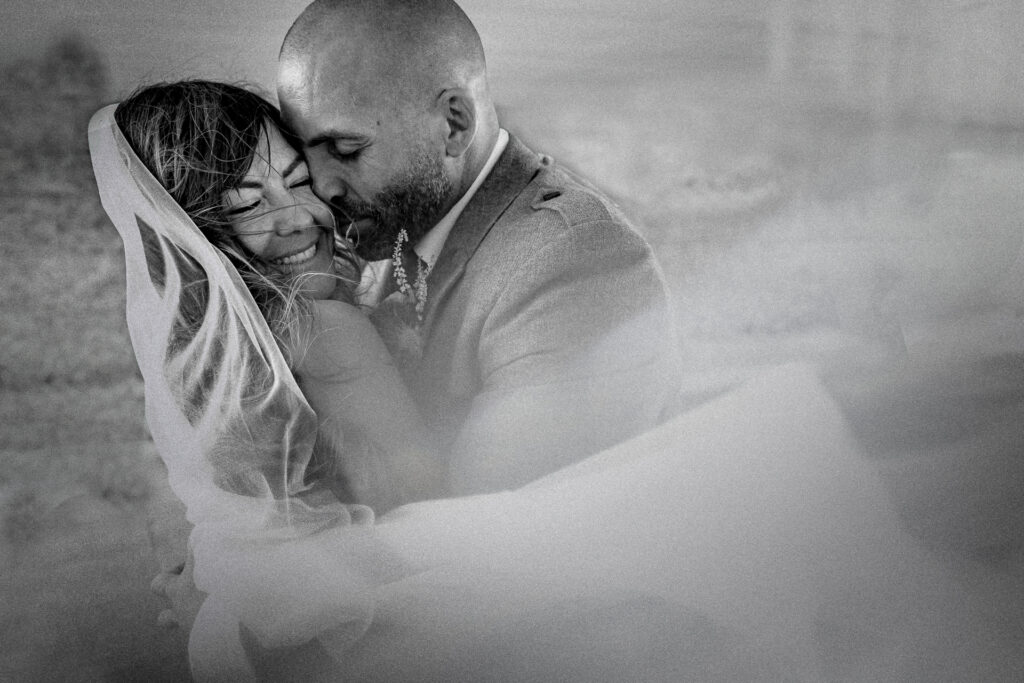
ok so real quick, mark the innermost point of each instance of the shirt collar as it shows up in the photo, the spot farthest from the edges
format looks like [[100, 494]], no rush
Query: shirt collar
[[430, 245]]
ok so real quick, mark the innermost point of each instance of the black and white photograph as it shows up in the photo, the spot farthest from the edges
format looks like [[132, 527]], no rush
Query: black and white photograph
[[525, 341]]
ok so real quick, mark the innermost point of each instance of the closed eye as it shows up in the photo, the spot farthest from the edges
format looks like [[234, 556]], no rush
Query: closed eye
[[241, 210], [301, 182], [344, 154]]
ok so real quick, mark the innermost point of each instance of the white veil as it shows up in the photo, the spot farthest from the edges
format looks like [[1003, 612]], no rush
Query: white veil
[[217, 386], [224, 410]]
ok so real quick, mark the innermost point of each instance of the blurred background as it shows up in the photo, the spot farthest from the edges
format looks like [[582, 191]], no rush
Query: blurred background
[[838, 182]]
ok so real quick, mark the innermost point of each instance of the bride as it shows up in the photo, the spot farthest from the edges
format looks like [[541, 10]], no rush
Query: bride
[[220, 153], [745, 540]]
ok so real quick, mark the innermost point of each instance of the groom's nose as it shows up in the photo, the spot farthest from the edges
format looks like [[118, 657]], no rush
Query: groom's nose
[[326, 185], [327, 189]]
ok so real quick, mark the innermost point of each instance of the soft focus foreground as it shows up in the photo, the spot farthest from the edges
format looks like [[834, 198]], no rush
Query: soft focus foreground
[[804, 206]]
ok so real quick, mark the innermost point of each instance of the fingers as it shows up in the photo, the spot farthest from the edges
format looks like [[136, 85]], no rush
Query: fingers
[[168, 531], [177, 589], [163, 580], [161, 585], [167, 619]]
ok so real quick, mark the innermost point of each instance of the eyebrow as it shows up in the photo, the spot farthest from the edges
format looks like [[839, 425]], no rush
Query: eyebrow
[[290, 168], [257, 185], [335, 136]]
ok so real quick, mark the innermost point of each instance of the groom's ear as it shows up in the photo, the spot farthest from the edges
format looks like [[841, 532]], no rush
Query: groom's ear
[[459, 111]]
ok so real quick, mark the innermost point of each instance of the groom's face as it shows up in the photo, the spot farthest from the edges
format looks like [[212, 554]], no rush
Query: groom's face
[[411, 198], [380, 168]]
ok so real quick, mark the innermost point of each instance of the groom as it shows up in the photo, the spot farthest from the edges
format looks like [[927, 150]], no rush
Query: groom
[[545, 329]]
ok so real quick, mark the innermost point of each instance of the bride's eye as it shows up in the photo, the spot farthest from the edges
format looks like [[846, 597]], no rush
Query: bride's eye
[[301, 182], [241, 209]]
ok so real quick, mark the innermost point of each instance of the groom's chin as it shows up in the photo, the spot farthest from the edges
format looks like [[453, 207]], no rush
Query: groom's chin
[[368, 239], [358, 228], [375, 246]]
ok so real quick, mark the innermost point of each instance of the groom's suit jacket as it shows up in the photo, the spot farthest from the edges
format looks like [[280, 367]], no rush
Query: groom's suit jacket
[[547, 333]]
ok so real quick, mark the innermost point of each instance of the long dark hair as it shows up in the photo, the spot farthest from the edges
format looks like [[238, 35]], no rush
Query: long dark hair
[[199, 139]]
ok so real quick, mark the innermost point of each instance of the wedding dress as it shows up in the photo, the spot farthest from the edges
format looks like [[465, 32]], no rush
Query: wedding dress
[[744, 540]]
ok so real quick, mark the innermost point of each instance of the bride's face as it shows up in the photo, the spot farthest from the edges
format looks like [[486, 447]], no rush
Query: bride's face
[[277, 218]]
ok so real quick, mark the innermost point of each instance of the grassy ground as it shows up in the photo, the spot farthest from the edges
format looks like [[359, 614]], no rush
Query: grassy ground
[[67, 375], [76, 469], [889, 257]]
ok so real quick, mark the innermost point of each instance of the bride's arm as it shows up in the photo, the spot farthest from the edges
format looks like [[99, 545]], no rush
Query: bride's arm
[[366, 415]]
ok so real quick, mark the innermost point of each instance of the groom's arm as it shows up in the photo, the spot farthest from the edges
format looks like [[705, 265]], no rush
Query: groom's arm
[[578, 353]]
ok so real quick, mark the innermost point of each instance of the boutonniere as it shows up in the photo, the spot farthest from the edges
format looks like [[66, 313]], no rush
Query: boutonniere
[[418, 290], [399, 317]]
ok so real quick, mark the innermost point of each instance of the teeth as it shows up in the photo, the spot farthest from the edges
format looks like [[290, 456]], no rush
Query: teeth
[[291, 260]]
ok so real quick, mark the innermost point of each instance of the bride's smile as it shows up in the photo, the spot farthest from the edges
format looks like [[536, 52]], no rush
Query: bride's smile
[[296, 259]]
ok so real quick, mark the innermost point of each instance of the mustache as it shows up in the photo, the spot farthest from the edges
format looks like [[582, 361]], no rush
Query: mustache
[[345, 216], [350, 212]]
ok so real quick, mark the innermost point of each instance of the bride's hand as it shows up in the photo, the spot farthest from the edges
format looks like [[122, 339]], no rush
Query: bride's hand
[[178, 588]]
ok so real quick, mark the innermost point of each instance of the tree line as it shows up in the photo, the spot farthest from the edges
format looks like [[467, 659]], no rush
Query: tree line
[[46, 103]]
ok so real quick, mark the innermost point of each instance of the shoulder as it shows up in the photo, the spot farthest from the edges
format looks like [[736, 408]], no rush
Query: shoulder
[[557, 230], [559, 215], [332, 317], [538, 187], [339, 335], [559, 205], [573, 199]]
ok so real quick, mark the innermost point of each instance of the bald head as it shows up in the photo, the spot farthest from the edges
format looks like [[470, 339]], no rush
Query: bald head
[[408, 47], [388, 97]]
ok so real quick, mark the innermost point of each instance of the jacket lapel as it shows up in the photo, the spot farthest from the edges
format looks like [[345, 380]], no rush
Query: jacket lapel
[[516, 167]]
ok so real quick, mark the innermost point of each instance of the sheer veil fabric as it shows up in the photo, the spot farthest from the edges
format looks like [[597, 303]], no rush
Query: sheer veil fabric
[[222, 406], [733, 543]]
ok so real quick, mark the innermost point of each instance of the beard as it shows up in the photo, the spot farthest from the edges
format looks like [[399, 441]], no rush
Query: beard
[[413, 202]]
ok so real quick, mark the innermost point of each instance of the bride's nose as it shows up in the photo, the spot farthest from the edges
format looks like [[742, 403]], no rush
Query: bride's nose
[[294, 218]]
